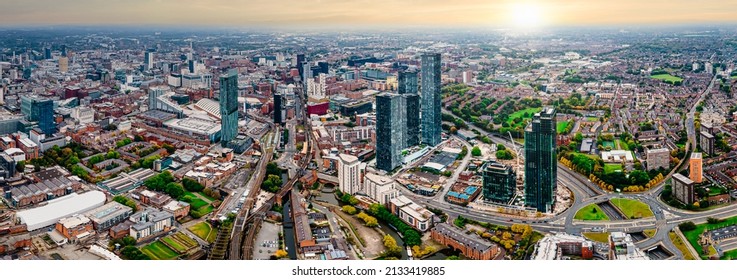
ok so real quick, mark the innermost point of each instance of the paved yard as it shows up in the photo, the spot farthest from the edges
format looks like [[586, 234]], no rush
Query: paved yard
[[267, 241]]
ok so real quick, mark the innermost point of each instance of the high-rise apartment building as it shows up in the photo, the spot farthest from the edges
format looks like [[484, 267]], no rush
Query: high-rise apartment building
[[431, 99], [349, 174], [541, 170], [694, 168], [407, 87], [390, 130], [229, 105]]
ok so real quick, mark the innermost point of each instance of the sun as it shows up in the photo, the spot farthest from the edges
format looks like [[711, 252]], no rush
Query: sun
[[526, 15]]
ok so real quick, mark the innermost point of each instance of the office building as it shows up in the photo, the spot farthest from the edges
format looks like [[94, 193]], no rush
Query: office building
[[150, 222], [431, 99], [469, 244], [229, 105], [349, 173], [300, 60], [160, 99], [706, 140], [148, 60], [541, 170], [657, 158], [47, 53], [63, 64], [499, 182], [380, 188], [411, 213], [408, 89], [278, 109], [622, 247], [683, 189], [37, 109], [694, 168], [390, 130], [108, 215]]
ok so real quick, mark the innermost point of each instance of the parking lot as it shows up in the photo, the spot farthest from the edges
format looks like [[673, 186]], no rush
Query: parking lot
[[267, 241]]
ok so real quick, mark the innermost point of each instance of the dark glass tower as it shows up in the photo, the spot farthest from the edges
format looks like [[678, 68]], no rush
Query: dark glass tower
[[499, 182], [39, 110], [277, 109], [229, 105], [431, 99], [541, 172], [407, 87], [390, 131]]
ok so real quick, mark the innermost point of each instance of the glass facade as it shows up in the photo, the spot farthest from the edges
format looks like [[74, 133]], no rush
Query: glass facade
[[431, 99], [541, 169], [39, 110], [407, 87], [390, 131], [499, 182], [229, 105]]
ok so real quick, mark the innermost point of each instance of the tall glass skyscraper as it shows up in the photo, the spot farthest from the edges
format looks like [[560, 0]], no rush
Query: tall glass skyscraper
[[390, 130], [431, 99], [541, 170], [408, 89], [499, 182], [40, 110], [229, 105]]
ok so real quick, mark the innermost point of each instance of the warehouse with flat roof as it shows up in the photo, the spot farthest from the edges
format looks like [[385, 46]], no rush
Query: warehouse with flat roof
[[59, 208]]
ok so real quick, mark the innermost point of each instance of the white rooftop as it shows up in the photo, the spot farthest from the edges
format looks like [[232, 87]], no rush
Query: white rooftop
[[59, 208]]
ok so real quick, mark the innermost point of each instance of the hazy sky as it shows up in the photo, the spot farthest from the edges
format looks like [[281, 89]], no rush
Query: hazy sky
[[336, 13]]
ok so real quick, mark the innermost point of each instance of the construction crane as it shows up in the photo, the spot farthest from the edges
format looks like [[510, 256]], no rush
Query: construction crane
[[516, 151]]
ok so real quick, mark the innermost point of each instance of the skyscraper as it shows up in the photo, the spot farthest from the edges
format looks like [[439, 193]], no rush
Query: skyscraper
[[694, 170], [431, 99], [408, 89], [390, 130], [348, 173], [40, 110], [277, 109], [229, 105], [541, 171], [63, 64], [499, 182], [300, 60], [47, 53], [148, 60]]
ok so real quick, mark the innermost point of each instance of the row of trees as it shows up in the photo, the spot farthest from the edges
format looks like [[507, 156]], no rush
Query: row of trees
[[164, 182], [126, 201], [368, 220], [410, 235]]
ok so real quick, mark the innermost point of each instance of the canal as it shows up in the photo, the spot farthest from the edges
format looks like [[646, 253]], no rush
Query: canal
[[288, 230]]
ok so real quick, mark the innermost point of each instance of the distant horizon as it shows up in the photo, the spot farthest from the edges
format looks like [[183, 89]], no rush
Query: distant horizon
[[362, 14]]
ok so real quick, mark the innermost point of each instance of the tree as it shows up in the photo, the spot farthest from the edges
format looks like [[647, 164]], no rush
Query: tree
[[476, 151], [504, 154], [349, 209], [192, 185], [280, 254], [21, 166], [686, 226]]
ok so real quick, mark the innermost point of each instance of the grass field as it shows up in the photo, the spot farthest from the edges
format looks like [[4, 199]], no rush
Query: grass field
[[207, 198], [681, 246], [159, 251], [650, 232], [730, 255], [714, 190], [521, 113], [602, 237], [592, 119], [632, 208], [205, 231], [667, 78], [561, 126], [693, 235], [591, 212], [612, 167], [174, 244], [622, 145]]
